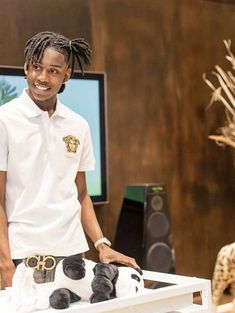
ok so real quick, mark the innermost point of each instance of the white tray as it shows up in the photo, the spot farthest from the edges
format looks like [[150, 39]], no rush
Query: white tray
[[177, 298]]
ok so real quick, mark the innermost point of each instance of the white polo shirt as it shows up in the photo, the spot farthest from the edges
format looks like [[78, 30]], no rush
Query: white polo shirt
[[42, 156]]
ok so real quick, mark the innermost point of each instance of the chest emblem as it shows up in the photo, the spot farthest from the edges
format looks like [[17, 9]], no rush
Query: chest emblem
[[72, 143]]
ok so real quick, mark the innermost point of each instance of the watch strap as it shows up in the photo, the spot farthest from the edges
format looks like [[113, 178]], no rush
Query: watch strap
[[102, 240]]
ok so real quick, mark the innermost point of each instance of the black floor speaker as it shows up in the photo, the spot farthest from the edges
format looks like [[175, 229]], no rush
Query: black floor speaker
[[144, 229]]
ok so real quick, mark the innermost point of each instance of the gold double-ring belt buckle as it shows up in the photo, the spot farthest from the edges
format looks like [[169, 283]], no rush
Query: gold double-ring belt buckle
[[40, 262]]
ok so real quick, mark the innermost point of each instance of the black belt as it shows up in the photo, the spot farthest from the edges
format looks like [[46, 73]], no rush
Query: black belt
[[40, 262]]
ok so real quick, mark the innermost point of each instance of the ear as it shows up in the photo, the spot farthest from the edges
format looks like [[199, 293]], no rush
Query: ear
[[26, 69], [67, 75], [139, 270]]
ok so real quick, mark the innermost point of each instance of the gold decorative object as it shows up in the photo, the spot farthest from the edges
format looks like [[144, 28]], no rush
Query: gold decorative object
[[224, 93]]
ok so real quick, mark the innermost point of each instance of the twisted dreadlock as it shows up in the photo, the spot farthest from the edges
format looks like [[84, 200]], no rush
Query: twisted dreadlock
[[75, 49]]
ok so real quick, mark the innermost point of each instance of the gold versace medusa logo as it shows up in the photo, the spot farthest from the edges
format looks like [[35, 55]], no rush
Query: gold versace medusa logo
[[71, 143]]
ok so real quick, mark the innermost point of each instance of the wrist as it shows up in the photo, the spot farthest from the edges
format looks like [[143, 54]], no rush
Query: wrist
[[5, 258], [102, 242], [6, 265]]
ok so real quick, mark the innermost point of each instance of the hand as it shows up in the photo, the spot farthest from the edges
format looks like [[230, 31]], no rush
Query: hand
[[108, 255], [7, 270]]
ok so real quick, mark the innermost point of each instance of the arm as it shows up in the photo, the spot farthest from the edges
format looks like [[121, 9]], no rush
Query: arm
[[92, 228], [7, 267]]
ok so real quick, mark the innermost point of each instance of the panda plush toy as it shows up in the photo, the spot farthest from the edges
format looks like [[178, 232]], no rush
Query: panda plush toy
[[78, 279]]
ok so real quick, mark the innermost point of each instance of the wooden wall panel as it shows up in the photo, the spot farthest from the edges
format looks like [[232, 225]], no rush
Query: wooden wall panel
[[207, 178], [22, 19], [154, 54]]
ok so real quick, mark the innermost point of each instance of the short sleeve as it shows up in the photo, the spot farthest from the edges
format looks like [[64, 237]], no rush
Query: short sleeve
[[87, 162], [3, 148]]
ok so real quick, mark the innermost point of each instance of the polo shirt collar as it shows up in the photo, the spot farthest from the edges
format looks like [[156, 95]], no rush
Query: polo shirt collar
[[30, 109], [60, 110]]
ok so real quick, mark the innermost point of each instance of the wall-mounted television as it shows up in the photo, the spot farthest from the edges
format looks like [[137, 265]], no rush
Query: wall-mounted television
[[86, 95]]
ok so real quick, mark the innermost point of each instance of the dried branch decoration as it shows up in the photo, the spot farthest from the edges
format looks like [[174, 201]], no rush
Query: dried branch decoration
[[225, 93]]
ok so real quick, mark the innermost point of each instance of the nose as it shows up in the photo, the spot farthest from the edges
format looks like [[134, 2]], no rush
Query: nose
[[43, 77]]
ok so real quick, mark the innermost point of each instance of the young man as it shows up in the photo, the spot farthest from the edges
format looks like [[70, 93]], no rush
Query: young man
[[45, 149]]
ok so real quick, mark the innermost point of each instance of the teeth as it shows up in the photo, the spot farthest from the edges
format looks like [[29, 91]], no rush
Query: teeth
[[41, 87]]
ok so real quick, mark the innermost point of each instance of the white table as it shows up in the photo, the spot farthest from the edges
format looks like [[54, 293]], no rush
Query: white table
[[177, 298]]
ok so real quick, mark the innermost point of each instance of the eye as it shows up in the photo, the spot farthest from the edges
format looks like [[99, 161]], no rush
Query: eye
[[36, 67], [54, 71]]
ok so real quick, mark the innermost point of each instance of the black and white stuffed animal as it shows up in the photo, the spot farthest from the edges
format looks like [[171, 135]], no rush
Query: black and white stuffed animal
[[78, 279]]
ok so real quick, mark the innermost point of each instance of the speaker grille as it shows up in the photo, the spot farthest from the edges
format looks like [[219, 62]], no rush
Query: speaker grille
[[157, 203], [144, 227], [159, 258], [158, 225]]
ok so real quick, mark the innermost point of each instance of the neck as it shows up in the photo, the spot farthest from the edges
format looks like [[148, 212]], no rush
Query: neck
[[47, 105]]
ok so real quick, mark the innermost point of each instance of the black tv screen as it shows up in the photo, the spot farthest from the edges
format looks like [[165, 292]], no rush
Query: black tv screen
[[84, 94]]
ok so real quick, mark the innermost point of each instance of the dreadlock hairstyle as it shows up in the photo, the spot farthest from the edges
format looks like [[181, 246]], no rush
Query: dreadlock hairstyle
[[74, 50]]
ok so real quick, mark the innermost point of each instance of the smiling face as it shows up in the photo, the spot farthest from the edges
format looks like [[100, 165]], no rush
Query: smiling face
[[46, 77]]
